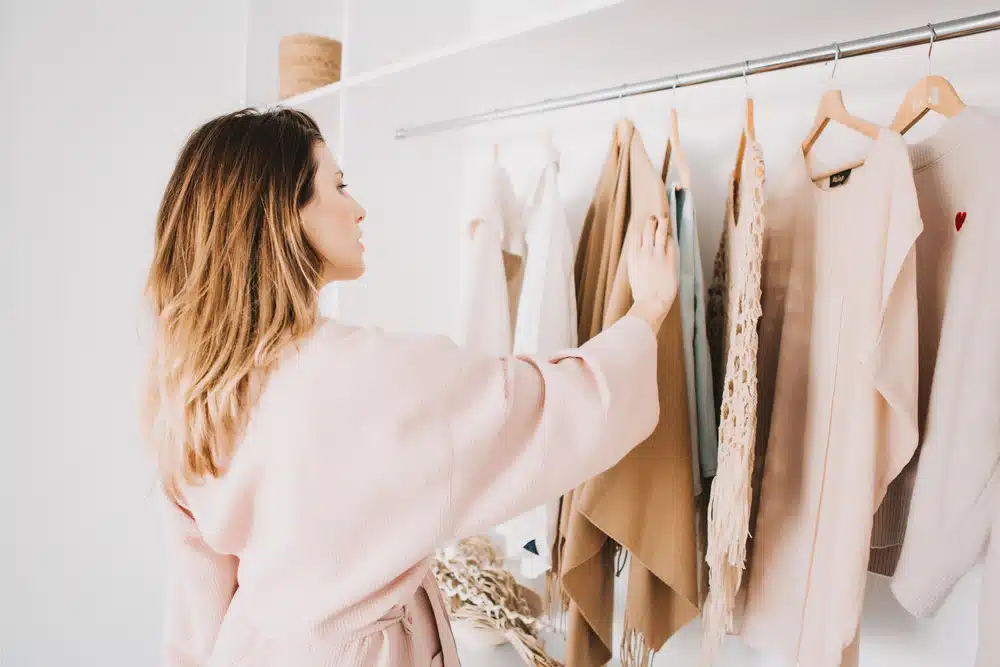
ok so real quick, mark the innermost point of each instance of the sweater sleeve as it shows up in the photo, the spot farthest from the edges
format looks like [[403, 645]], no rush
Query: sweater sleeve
[[200, 586], [525, 430], [896, 355]]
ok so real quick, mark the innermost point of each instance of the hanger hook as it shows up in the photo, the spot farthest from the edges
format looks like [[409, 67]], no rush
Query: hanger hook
[[836, 59], [746, 83], [621, 99], [930, 49]]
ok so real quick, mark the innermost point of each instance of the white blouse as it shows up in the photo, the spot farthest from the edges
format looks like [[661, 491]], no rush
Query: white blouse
[[519, 295]]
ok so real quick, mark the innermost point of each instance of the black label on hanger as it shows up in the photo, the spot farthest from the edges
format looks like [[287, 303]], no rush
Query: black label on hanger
[[839, 178]]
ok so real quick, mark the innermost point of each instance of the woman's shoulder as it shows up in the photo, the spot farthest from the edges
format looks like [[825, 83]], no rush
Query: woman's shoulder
[[367, 348], [331, 333]]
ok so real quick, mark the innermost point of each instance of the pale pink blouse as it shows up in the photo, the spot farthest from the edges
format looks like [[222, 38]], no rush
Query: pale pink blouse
[[365, 452], [844, 420]]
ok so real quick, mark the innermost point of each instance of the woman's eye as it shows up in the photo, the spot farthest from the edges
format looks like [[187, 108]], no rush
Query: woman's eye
[[342, 186]]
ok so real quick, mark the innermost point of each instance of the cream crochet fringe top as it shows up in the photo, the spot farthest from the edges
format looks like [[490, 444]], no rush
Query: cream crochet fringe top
[[734, 308]]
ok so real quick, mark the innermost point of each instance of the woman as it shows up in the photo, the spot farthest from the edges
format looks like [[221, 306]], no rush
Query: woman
[[311, 468]]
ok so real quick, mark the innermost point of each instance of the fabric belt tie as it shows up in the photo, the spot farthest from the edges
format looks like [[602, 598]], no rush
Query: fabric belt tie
[[398, 614]]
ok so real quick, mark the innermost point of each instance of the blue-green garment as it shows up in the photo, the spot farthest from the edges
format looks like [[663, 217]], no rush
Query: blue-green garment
[[698, 363]]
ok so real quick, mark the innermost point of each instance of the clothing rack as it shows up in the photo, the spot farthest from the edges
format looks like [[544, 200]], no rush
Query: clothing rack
[[890, 41]]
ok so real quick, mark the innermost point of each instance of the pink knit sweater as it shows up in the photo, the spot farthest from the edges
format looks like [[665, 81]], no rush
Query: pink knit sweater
[[364, 453]]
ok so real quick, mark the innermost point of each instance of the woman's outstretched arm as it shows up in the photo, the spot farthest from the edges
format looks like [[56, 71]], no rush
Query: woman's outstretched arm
[[524, 430]]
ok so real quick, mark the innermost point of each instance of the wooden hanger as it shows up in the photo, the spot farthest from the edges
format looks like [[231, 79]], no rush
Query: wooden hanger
[[674, 144], [931, 93], [623, 130], [748, 126], [831, 108], [748, 134]]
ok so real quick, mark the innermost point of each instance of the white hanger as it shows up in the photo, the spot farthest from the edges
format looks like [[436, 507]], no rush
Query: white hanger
[[551, 152]]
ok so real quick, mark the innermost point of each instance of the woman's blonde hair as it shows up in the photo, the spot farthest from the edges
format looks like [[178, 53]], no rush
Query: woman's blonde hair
[[233, 280]]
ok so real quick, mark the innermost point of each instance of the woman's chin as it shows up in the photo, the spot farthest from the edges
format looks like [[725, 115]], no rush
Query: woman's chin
[[346, 273]]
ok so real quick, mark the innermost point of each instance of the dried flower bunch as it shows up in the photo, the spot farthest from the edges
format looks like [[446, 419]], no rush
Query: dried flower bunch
[[481, 593]]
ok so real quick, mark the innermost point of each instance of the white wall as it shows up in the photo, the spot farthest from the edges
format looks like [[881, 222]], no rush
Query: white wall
[[97, 99]]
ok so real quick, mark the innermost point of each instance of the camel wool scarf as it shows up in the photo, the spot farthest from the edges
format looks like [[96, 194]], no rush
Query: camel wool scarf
[[646, 503]]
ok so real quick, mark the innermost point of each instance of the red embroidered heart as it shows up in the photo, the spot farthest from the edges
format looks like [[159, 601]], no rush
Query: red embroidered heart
[[959, 220]]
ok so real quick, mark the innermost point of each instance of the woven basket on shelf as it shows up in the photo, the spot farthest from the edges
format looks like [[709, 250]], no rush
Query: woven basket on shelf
[[307, 62]]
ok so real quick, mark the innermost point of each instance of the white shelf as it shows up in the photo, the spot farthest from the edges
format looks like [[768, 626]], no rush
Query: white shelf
[[467, 47], [302, 99], [589, 44], [562, 48]]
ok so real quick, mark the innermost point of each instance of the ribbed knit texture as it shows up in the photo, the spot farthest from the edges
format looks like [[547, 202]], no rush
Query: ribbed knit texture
[[956, 487], [365, 452]]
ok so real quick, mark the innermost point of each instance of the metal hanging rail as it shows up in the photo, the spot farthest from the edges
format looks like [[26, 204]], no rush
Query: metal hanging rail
[[890, 41]]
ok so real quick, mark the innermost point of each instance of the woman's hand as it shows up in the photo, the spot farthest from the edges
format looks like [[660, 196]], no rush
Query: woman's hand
[[652, 272]]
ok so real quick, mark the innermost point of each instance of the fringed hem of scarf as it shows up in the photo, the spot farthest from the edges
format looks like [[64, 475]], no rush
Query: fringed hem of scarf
[[636, 652], [729, 527], [732, 496], [556, 603], [724, 583], [478, 589]]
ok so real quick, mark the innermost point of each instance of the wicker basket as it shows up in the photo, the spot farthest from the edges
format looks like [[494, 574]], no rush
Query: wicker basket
[[307, 62]]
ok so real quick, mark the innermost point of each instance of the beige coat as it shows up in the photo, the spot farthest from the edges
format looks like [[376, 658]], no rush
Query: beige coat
[[645, 503]]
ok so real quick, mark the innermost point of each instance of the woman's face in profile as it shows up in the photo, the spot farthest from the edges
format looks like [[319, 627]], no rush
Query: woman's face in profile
[[332, 220]]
